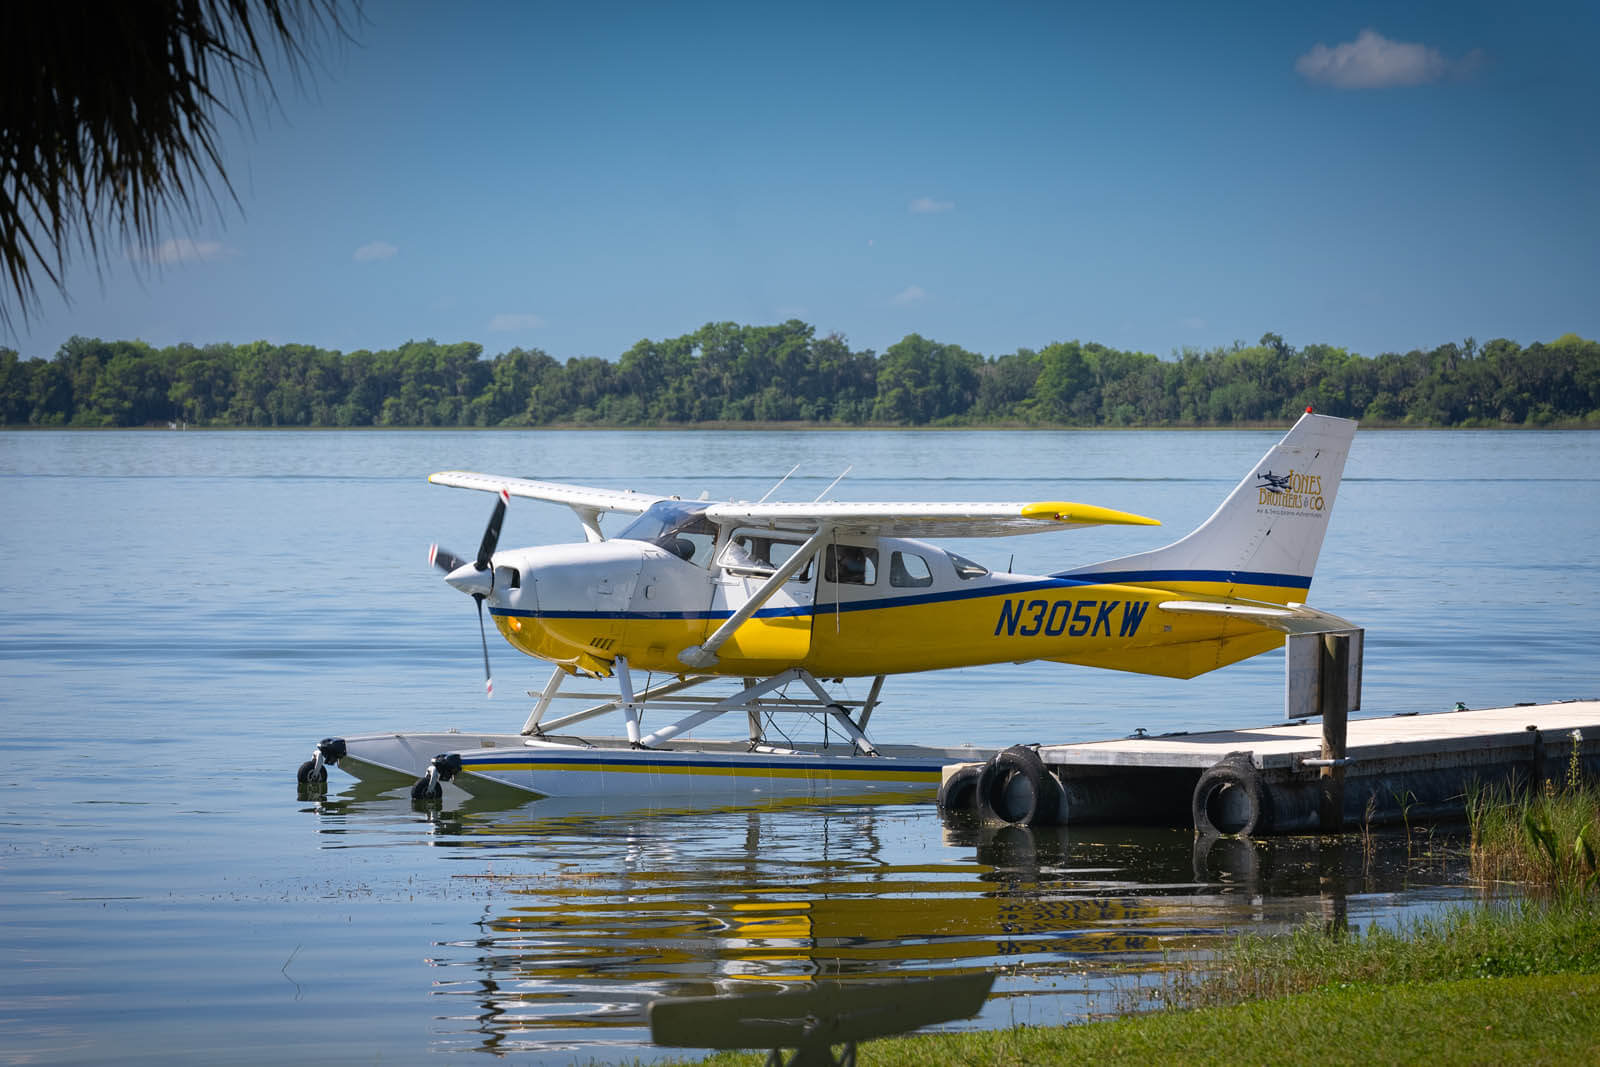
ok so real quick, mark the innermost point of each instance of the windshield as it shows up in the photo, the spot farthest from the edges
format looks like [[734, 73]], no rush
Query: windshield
[[965, 568], [677, 526]]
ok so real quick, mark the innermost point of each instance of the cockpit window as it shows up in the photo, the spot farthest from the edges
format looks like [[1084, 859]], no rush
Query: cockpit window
[[677, 526], [965, 568]]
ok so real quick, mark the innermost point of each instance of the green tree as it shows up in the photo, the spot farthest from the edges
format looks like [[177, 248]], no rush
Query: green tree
[[921, 381], [50, 394], [130, 389], [1005, 384], [1064, 390], [202, 383], [15, 378], [1132, 388]]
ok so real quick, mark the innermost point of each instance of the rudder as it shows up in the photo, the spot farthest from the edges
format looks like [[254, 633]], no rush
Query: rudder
[[1263, 540]]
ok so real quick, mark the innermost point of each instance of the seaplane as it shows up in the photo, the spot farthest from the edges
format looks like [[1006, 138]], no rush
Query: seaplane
[[686, 600]]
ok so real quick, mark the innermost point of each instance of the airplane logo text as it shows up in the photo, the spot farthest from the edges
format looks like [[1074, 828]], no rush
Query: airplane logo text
[[1300, 492], [1087, 618]]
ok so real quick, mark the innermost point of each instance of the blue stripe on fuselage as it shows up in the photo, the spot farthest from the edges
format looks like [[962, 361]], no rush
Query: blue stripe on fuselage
[[827, 606], [1055, 581], [1286, 581]]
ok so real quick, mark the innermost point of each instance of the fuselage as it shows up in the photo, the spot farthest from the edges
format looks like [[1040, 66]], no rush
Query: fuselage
[[862, 606]]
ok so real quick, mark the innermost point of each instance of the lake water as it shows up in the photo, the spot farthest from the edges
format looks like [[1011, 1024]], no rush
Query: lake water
[[183, 614]]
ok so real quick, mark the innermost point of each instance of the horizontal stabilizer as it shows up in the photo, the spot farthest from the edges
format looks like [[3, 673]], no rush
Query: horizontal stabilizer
[[1290, 619]]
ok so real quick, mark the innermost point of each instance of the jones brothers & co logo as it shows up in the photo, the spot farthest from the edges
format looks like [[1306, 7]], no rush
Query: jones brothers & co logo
[[1292, 491]]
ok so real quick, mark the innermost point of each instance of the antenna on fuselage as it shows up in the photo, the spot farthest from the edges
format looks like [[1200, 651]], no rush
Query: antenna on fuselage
[[774, 489], [833, 483]]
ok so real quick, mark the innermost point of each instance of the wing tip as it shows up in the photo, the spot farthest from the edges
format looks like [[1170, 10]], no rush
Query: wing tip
[[1084, 514]]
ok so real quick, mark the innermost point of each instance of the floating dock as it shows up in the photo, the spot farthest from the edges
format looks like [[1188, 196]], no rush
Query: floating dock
[[1282, 779]]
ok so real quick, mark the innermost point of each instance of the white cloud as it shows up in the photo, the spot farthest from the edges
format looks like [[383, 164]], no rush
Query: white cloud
[[505, 323], [375, 250], [1372, 61], [911, 294], [181, 250], [927, 205]]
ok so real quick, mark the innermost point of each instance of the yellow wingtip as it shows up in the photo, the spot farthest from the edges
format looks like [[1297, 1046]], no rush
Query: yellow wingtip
[[1066, 511]]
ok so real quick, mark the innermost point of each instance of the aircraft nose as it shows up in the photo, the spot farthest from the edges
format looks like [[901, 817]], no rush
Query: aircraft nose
[[469, 579]]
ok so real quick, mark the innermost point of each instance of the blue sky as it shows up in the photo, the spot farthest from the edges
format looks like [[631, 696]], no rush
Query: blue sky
[[576, 177]]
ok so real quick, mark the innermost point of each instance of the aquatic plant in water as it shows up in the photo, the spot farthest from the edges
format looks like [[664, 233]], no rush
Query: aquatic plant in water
[[1545, 840]]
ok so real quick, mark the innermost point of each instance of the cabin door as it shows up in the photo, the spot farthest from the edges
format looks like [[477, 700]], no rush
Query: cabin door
[[779, 634]]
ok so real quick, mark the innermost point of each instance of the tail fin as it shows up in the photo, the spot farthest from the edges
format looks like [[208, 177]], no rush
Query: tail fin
[[1263, 541]]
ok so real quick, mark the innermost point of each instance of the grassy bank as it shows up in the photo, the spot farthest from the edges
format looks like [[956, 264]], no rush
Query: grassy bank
[[1504, 982], [1538, 1019], [1497, 941], [1499, 984]]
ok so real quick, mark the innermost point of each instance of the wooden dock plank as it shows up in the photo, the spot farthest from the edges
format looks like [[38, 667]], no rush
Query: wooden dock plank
[[1389, 737]]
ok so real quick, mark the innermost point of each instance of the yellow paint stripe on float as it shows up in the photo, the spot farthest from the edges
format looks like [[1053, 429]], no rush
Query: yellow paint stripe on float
[[721, 770]]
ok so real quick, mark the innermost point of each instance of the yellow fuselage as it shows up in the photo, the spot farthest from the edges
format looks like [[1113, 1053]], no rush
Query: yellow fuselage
[[840, 631]]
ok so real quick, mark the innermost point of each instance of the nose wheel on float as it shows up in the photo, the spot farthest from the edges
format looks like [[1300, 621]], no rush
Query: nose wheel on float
[[314, 771]]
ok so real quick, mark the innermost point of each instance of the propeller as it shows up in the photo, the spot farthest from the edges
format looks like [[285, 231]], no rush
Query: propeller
[[450, 563]]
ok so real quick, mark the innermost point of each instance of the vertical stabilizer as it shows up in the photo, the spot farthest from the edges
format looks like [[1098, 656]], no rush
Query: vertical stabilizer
[[1262, 542]]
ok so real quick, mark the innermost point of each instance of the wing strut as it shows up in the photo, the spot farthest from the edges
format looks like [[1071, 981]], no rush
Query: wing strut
[[704, 655], [590, 517]]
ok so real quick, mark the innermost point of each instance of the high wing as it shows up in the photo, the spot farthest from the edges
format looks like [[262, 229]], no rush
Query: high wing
[[926, 520], [589, 502], [577, 496], [934, 520]]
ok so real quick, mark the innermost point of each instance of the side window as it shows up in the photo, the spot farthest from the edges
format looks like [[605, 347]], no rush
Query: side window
[[780, 552], [851, 565], [760, 556], [909, 571], [746, 553]]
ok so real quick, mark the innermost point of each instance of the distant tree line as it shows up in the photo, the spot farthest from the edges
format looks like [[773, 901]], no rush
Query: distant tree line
[[727, 373]]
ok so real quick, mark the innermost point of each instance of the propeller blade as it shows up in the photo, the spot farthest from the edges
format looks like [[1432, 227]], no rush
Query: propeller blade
[[480, 580], [491, 535], [488, 679], [444, 559]]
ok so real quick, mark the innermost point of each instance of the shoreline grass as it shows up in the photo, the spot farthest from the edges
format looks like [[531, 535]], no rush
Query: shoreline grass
[[1546, 842], [1525, 1020], [1496, 983], [1493, 940], [1502, 981]]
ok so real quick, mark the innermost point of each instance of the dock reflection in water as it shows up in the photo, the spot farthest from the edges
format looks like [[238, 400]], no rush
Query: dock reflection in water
[[591, 914]]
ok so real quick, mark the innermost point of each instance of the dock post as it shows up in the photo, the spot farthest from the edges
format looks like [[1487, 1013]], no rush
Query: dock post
[[1333, 698]]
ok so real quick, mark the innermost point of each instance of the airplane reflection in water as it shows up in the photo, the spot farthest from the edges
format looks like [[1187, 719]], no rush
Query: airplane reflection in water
[[594, 913]]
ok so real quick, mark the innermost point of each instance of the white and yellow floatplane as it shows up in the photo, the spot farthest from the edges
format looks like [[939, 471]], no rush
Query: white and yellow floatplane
[[771, 599]]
